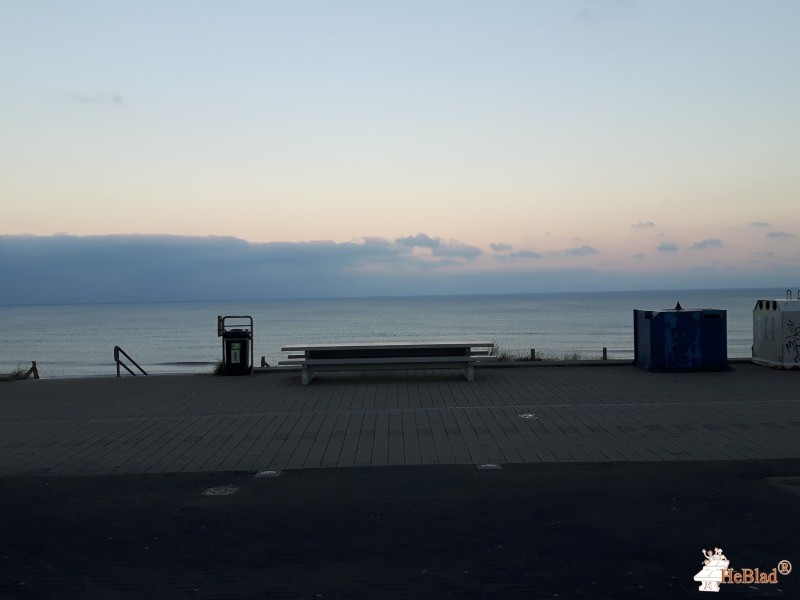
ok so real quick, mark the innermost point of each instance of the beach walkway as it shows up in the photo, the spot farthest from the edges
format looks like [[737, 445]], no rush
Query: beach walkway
[[198, 423]]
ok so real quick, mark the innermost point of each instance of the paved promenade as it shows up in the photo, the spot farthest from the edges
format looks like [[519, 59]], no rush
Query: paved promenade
[[612, 482], [268, 421]]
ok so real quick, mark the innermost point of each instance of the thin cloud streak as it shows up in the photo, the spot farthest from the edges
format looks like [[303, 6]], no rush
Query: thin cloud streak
[[95, 99], [525, 254], [781, 235], [580, 251], [710, 243]]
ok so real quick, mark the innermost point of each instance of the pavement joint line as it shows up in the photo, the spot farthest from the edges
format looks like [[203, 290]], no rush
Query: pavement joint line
[[403, 410]]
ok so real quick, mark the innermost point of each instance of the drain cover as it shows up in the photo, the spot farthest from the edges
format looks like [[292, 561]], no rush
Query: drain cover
[[489, 466], [528, 416], [268, 473], [224, 490]]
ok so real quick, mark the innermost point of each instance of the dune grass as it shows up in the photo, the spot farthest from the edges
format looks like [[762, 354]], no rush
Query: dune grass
[[16, 374], [504, 355], [567, 356]]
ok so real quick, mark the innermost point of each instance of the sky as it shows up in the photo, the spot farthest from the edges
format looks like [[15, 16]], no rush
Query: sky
[[192, 149]]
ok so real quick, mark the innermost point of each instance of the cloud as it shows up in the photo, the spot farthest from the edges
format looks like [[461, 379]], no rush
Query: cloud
[[667, 247], [145, 268], [525, 254], [454, 249], [500, 247], [580, 251], [421, 240], [586, 15], [643, 225], [120, 268], [96, 99], [781, 235], [639, 255], [709, 243], [440, 248], [759, 224]]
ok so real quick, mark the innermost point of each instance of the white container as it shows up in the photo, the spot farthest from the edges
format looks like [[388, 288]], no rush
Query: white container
[[776, 332]]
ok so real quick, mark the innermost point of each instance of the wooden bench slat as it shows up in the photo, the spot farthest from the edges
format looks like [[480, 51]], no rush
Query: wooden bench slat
[[387, 345], [377, 361]]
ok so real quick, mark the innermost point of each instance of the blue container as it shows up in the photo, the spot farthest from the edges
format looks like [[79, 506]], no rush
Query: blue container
[[680, 340]]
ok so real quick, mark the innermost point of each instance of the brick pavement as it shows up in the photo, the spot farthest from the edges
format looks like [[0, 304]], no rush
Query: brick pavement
[[199, 423]]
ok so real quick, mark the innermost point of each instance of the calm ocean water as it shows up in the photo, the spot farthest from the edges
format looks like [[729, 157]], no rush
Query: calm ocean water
[[180, 337]]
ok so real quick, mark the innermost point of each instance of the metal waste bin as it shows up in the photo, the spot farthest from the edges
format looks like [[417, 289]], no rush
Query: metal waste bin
[[680, 339], [237, 345]]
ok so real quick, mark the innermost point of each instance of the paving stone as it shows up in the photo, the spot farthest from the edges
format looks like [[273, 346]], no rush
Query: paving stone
[[583, 414]]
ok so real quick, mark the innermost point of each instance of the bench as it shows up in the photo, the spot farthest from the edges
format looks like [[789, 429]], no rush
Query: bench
[[315, 358]]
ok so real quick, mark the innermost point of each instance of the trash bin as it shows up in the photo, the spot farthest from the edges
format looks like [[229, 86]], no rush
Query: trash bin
[[680, 339], [237, 352]]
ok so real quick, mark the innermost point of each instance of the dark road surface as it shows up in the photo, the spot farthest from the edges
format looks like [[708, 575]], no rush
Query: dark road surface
[[633, 530]]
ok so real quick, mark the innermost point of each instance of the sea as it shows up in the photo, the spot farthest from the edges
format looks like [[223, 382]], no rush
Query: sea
[[181, 337]]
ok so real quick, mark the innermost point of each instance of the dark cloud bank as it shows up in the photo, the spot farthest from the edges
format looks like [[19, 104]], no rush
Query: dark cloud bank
[[141, 268]]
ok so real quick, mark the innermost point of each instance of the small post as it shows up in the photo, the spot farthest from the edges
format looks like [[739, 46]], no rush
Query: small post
[[533, 353], [605, 353], [32, 371]]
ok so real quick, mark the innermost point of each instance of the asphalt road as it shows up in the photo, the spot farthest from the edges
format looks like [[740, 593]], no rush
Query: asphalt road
[[526, 531]]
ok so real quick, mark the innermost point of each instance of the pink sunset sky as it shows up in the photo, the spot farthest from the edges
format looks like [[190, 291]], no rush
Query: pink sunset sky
[[621, 139]]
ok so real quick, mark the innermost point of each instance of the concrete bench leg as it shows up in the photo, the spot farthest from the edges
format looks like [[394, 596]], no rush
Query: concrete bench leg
[[469, 371], [306, 376]]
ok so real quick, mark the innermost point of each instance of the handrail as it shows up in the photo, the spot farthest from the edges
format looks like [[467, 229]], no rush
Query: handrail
[[32, 371], [117, 352]]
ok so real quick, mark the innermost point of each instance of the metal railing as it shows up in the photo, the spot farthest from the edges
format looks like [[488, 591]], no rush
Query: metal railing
[[34, 371], [118, 360]]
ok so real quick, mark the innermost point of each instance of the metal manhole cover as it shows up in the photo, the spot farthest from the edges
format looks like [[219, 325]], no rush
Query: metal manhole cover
[[528, 416], [268, 473], [224, 490], [489, 467]]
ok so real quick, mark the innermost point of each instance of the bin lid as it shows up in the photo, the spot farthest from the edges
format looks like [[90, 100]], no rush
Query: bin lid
[[236, 334]]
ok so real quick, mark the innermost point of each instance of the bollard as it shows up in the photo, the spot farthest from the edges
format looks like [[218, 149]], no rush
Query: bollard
[[605, 353], [533, 353]]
